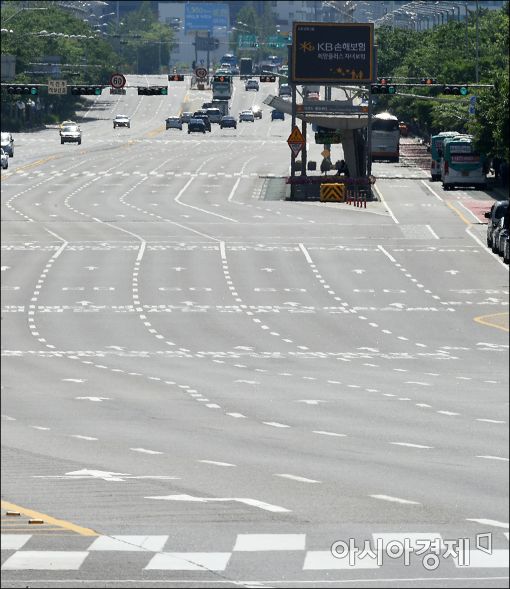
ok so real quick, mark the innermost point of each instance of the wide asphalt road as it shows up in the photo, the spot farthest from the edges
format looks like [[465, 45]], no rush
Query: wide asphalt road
[[207, 385]]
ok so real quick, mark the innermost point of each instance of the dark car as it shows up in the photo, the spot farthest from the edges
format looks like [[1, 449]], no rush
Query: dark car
[[498, 209], [196, 126], [205, 118], [228, 122], [277, 114]]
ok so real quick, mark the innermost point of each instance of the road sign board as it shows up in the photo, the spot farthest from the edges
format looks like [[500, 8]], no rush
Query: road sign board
[[332, 107], [332, 53], [57, 87], [296, 148], [117, 81], [329, 138], [201, 73], [296, 137], [472, 105]]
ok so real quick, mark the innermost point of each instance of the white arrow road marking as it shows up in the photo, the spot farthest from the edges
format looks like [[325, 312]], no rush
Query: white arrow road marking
[[248, 381], [311, 401], [84, 303], [245, 500], [94, 399], [4, 268], [178, 268], [267, 269], [74, 380], [452, 272], [90, 267], [359, 271], [101, 474]]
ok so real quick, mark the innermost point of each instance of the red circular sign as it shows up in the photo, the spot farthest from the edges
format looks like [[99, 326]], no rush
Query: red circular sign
[[117, 81], [201, 72]]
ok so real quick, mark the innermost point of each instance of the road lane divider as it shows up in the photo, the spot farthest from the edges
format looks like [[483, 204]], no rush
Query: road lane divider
[[485, 320], [47, 519]]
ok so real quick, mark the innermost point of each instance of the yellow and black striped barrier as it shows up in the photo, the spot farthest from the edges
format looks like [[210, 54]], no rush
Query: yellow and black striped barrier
[[332, 192]]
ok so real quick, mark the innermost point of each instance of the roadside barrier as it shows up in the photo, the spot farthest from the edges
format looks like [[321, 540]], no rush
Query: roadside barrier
[[332, 192]]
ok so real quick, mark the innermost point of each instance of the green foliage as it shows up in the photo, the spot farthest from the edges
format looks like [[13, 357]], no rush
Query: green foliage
[[448, 53], [142, 42]]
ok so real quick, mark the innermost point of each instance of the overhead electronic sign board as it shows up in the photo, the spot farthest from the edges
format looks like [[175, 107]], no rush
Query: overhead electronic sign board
[[205, 16], [332, 53]]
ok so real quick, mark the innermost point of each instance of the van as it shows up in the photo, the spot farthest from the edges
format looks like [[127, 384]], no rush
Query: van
[[214, 115]]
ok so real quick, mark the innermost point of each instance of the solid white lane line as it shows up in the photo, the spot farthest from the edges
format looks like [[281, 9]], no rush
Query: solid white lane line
[[83, 437], [306, 254], [232, 192], [387, 254], [410, 445], [434, 234], [477, 220], [386, 204], [296, 478], [395, 499], [433, 191], [237, 415], [489, 522], [143, 450], [324, 433], [222, 251], [275, 424], [488, 457], [216, 463], [486, 249], [490, 420]]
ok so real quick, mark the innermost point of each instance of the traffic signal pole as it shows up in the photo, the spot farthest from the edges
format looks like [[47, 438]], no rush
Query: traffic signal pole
[[369, 132]]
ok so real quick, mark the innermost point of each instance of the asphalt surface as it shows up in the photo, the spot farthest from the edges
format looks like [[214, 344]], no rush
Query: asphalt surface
[[206, 385]]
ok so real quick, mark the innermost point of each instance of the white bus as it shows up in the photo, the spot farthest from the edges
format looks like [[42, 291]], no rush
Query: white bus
[[385, 137]]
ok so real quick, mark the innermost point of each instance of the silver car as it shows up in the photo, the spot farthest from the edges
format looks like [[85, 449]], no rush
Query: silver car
[[186, 117], [5, 160], [7, 144], [246, 115]]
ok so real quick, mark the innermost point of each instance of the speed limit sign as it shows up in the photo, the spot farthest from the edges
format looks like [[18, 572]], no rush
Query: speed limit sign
[[201, 73], [117, 81]]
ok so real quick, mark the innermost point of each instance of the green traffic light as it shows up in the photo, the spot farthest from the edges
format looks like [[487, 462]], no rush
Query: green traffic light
[[33, 91], [463, 91], [164, 91], [391, 89], [97, 91]]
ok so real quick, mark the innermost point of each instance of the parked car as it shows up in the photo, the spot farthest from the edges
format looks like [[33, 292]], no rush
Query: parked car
[[284, 90], [214, 114], [277, 115], [186, 116], [246, 115], [498, 209], [496, 235], [251, 85], [5, 159], [196, 126], [506, 249], [174, 123], [70, 134], [501, 233], [205, 118], [257, 111], [7, 141], [228, 122], [121, 121]]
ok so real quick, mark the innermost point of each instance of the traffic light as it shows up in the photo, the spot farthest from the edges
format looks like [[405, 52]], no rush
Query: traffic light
[[86, 90], [268, 78], [176, 77], [456, 90], [152, 90], [383, 89], [20, 89], [428, 81]]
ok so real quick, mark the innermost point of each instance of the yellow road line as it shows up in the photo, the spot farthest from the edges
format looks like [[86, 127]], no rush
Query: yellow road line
[[155, 132], [49, 520], [455, 210], [483, 320]]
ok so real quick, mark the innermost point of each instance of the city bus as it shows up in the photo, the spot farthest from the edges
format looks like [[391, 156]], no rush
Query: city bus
[[461, 165], [436, 151], [229, 58], [385, 137], [222, 87]]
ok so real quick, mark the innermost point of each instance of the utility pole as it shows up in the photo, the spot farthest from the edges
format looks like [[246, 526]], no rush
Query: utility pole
[[477, 44], [208, 50]]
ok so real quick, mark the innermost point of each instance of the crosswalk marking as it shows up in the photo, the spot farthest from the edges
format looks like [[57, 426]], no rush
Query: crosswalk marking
[[44, 560], [259, 542], [189, 561], [129, 543]]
